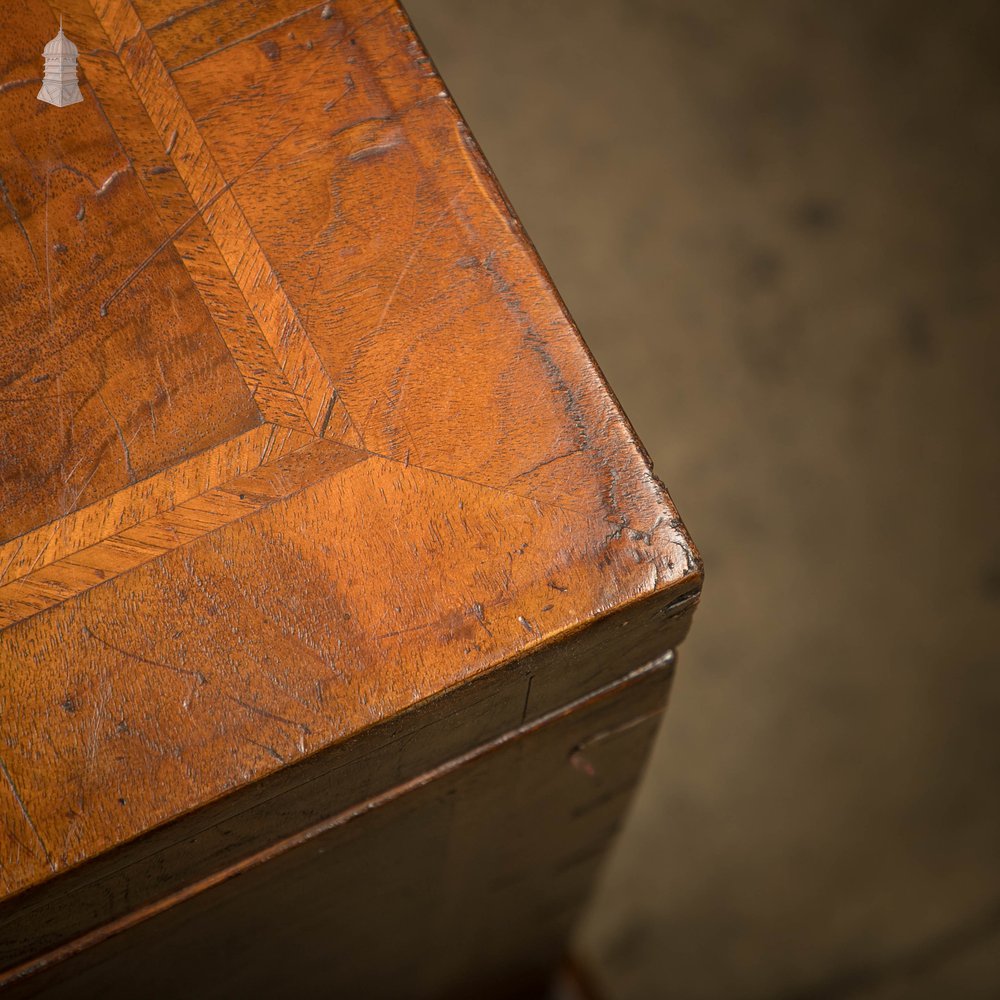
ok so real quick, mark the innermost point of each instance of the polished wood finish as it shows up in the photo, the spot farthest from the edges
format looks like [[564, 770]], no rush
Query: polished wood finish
[[429, 890], [308, 485]]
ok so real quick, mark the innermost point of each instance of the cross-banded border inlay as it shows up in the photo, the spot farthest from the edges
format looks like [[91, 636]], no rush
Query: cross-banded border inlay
[[253, 314], [267, 465], [187, 188]]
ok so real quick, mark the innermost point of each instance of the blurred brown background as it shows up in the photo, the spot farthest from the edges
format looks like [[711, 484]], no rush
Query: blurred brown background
[[776, 224]]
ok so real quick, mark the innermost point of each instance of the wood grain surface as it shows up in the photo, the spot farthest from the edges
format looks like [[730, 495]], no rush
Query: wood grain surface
[[296, 439], [375, 901]]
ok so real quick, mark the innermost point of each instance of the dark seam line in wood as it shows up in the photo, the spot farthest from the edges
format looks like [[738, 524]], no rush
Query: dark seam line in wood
[[527, 698]]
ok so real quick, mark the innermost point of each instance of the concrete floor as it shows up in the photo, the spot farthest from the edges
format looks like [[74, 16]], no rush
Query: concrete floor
[[776, 224]]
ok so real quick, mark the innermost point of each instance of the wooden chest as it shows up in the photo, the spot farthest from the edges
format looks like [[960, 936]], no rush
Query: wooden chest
[[337, 597]]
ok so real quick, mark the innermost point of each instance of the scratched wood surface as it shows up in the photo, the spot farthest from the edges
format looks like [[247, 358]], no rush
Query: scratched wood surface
[[295, 435], [343, 908]]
